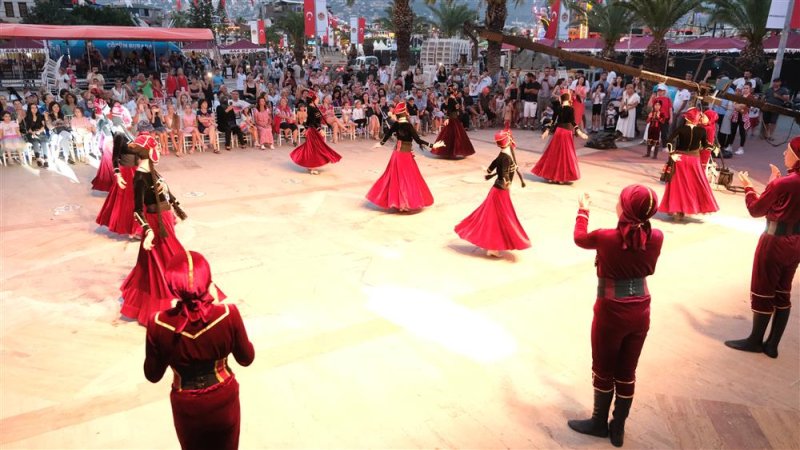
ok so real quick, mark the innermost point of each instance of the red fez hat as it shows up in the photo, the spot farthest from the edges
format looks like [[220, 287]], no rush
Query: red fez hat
[[311, 95], [794, 144], [399, 109], [503, 138], [712, 116], [692, 115]]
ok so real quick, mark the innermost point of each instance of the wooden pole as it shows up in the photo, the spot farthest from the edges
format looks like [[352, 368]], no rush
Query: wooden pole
[[703, 91]]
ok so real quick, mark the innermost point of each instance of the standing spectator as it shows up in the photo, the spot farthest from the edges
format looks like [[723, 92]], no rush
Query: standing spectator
[[171, 83], [740, 121], [530, 96], [627, 113], [778, 96]]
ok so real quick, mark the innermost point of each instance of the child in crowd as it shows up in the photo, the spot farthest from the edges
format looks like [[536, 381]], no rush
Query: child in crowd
[[655, 120], [597, 107]]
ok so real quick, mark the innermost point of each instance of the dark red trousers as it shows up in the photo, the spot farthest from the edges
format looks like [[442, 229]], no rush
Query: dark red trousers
[[619, 329], [774, 266]]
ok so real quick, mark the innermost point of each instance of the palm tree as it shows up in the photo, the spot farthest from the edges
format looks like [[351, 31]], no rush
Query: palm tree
[[659, 16], [403, 24], [294, 25], [750, 18], [495, 20], [450, 18], [611, 19]]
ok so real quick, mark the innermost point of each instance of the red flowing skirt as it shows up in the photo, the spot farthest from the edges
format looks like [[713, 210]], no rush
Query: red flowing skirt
[[314, 152], [401, 186], [688, 191], [117, 210], [208, 419], [105, 172], [494, 225], [580, 111], [145, 290], [456, 141], [559, 162], [705, 156]]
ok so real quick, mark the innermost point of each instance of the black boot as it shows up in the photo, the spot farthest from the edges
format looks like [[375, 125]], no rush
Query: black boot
[[647, 155], [778, 325], [616, 429], [754, 342], [598, 424], [656, 148]]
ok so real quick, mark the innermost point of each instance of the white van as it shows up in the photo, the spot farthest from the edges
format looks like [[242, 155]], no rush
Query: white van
[[363, 62]]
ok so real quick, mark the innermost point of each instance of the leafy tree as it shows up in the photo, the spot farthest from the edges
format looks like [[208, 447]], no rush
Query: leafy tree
[[403, 25], [495, 20], [659, 16], [180, 19], [294, 25], [450, 18], [54, 12], [611, 19], [201, 14], [750, 18]]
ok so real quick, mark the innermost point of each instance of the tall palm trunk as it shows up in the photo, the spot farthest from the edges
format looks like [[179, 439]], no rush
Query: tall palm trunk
[[752, 57], [403, 24], [608, 50], [496, 12], [655, 55]]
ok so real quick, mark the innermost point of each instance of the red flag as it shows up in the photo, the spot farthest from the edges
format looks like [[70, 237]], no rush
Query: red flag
[[262, 32], [795, 16], [555, 10], [308, 10], [178, 6], [362, 24], [195, 3]]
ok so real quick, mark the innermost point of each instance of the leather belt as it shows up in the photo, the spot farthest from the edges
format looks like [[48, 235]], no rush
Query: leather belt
[[157, 208], [688, 152], [611, 289], [782, 228]]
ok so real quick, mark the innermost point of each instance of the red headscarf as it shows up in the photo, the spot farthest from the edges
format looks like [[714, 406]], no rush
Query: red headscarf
[[639, 203], [399, 109], [503, 138], [711, 126], [794, 145], [188, 275], [311, 96], [692, 115]]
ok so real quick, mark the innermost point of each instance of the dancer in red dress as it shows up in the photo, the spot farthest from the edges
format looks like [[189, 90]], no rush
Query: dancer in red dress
[[195, 338], [709, 123], [626, 255], [777, 255], [688, 191], [452, 141], [401, 186], [559, 162], [494, 225], [105, 179], [314, 152], [145, 290], [117, 210]]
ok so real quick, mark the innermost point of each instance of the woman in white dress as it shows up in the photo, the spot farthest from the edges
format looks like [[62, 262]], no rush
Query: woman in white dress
[[627, 125]]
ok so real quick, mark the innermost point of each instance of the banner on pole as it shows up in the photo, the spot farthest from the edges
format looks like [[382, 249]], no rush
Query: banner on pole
[[362, 25], [321, 14], [308, 11]]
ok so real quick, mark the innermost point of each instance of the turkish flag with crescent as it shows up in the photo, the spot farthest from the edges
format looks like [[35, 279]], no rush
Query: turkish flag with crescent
[[362, 24], [555, 10], [262, 32], [308, 10]]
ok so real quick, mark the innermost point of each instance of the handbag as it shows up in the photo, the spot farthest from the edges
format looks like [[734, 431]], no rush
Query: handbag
[[623, 111]]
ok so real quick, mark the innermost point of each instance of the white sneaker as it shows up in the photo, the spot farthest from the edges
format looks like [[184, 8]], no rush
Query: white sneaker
[[740, 151]]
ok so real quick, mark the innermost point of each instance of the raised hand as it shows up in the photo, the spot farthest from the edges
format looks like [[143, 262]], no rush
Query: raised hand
[[776, 173], [584, 201], [744, 177]]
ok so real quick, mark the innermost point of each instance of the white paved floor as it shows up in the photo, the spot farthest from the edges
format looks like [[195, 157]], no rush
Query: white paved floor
[[377, 330]]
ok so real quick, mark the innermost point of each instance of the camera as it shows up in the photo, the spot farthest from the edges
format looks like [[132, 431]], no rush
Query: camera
[[230, 102]]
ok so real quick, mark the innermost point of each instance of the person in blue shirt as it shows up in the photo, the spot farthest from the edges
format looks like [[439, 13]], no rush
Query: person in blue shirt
[[217, 80]]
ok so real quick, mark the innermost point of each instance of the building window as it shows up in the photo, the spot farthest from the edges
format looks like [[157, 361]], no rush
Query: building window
[[9, 9], [23, 9]]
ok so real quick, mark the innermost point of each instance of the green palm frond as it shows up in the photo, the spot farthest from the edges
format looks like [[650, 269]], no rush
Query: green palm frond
[[661, 15], [450, 18]]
